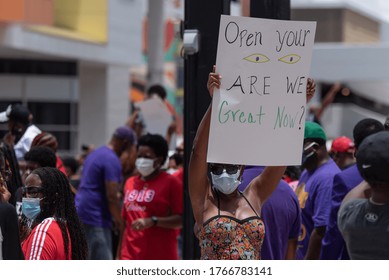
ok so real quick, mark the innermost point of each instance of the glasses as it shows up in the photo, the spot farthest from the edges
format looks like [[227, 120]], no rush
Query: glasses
[[32, 192], [218, 169]]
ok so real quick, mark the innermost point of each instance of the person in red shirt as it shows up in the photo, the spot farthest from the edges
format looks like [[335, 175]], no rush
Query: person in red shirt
[[56, 232], [342, 152], [153, 205]]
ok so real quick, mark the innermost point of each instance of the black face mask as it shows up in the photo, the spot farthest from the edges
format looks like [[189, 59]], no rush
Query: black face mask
[[309, 160]]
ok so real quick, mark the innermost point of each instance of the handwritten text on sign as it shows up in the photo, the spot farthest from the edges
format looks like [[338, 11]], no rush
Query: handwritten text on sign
[[258, 114]]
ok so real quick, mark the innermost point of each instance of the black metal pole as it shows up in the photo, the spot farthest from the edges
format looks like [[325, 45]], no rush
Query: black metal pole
[[273, 9], [203, 15]]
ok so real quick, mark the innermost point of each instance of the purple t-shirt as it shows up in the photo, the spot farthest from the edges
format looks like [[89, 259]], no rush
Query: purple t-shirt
[[280, 213], [314, 194], [100, 166], [333, 245]]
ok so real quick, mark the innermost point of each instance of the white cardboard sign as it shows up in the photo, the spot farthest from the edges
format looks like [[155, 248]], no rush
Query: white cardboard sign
[[258, 115], [155, 114]]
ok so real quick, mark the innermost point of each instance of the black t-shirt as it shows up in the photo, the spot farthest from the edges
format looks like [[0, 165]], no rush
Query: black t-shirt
[[9, 233]]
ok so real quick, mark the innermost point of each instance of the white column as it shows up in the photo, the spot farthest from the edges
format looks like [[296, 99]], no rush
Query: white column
[[103, 103], [155, 38]]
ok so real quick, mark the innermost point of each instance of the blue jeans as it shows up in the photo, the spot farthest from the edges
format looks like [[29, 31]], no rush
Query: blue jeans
[[99, 243]]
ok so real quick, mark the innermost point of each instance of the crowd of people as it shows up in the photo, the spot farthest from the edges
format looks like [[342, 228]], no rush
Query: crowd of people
[[116, 201], [124, 200]]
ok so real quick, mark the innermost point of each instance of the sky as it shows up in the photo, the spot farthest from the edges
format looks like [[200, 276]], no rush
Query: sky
[[378, 8]]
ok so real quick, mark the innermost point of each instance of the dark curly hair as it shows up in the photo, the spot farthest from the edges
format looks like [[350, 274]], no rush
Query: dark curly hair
[[59, 203], [44, 156], [157, 89], [364, 128], [157, 143]]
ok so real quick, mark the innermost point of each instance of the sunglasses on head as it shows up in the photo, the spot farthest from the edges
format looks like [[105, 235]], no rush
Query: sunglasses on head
[[218, 169]]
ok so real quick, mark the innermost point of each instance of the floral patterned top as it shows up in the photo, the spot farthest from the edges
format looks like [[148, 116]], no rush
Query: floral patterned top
[[224, 237]]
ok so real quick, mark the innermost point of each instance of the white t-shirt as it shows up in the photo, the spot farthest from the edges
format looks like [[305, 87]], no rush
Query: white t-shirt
[[24, 144]]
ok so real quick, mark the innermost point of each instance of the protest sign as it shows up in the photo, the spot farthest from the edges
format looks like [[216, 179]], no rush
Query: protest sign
[[258, 114], [155, 115]]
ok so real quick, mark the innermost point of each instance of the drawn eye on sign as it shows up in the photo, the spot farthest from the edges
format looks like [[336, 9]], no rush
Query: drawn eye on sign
[[257, 58], [261, 58], [290, 58]]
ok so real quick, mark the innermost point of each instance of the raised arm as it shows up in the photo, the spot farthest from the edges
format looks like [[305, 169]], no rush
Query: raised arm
[[328, 99], [267, 182], [197, 176], [264, 184]]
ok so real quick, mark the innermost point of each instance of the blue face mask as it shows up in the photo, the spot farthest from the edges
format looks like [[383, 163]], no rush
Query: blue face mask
[[31, 207]]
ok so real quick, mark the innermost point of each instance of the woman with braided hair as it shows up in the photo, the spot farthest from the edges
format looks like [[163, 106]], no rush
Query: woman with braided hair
[[56, 231]]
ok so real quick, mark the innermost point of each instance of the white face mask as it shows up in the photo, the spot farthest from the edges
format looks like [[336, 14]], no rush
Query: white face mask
[[171, 170], [225, 182], [145, 166]]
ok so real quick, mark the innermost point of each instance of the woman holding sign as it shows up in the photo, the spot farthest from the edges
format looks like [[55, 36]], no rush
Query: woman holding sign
[[228, 222]]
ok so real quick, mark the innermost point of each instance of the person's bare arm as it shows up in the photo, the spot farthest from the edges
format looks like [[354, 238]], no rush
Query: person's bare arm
[[113, 198], [314, 246], [264, 184], [171, 222], [363, 190], [328, 99], [170, 131], [272, 175], [197, 176], [291, 249], [120, 241]]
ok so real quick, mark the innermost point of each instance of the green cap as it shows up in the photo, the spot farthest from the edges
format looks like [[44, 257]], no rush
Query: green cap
[[314, 130]]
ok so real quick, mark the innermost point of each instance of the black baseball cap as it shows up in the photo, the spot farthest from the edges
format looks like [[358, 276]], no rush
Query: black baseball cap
[[17, 113], [373, 158]]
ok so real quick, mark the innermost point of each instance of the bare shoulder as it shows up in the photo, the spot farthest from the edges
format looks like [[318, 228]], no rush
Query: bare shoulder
[[360, 191]]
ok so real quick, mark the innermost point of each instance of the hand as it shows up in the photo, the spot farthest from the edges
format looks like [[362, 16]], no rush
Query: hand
[[4, 192], [118, 225], [311, 89], [213, 81], [141, 224]]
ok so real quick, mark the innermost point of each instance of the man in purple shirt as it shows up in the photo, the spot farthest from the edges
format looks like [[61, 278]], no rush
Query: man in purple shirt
[[314, 191], [282, 217], [333, 245], [97, 199]]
